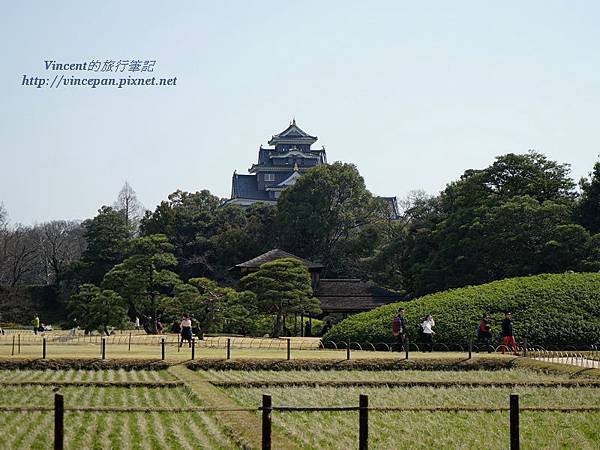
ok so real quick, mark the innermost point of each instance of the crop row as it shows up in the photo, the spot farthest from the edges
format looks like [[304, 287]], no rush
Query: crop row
[[115, 430], [97, 396], [508, 375], [400, 430], [84, 375], [420, 396]]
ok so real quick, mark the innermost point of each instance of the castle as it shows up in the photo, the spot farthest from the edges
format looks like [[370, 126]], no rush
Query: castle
[[280, 166]]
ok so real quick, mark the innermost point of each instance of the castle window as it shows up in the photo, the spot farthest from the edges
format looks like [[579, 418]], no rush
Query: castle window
[[269, 177]]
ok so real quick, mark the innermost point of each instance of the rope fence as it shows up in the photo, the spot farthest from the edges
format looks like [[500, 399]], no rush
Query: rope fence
[[266, 409], [586, 357]]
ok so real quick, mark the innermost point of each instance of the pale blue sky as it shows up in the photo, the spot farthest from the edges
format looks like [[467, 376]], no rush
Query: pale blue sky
[[413, 93]]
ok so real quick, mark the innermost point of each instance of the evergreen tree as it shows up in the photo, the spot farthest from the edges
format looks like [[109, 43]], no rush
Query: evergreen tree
[[282, 287]]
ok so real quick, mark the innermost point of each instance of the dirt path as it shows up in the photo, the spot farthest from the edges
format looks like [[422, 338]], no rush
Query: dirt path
[[244, 426]]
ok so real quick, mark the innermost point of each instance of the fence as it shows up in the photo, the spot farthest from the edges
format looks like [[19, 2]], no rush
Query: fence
[[267, 409], [154, 346]]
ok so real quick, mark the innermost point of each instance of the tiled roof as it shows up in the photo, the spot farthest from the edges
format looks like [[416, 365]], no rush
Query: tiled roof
[[246, 186], [273, 255], [352, 295]]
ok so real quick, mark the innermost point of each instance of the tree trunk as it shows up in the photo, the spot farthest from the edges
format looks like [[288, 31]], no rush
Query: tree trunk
[[278, 325]]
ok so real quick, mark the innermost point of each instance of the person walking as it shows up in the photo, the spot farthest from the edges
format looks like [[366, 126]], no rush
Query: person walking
[[508, 338], [399, 329], [186, 330], [484, 333], [326, 327], [427, 331], [36, 324]]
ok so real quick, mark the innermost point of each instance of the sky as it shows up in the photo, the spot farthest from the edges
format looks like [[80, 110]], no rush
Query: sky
[[413, 93]]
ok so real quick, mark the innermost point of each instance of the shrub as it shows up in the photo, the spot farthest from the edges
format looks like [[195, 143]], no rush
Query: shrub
[[548, 310]]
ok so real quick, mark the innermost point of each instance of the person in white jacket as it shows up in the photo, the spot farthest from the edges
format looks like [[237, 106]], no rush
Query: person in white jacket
[[427, 326]]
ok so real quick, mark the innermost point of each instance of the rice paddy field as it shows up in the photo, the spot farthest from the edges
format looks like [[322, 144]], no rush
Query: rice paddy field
[[416, 429], [169, 392], [106, 430]]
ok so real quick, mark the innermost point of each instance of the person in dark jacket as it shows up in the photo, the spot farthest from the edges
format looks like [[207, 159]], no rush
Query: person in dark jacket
[[326, 327], [508, 338], [399, 329]]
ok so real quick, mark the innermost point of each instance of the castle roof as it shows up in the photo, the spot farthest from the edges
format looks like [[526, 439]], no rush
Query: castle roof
[[245, 186], [293, 134]]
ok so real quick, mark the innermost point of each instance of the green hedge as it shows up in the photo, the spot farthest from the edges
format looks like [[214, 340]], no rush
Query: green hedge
[[548, 310]]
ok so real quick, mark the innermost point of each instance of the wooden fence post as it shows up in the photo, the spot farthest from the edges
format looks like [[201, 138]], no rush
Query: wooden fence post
[[289, 349], [525, 347], [59, 423], [470, 348], [363, 422], [13, 346], [19, 343], [267, 411], [103, 348], [129, 349], [228, 348], [514, 422], [406, 347], [348, 351], [44, 348], [193, 348], [162, 348]]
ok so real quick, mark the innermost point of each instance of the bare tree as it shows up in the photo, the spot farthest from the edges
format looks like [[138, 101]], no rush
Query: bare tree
[[60, 243], [19, 254], [3, 242], [128, 204], [3, 218]]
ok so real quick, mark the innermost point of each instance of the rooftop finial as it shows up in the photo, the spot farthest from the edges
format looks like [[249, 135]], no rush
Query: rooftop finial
[[294, 121]]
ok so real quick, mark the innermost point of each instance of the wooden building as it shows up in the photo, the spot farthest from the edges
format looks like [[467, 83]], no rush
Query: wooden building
[[337, 295]]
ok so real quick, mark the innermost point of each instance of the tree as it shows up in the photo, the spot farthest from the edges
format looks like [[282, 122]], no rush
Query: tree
[[530, 174], [489, 224], [106, 237], [130, 207], [60, 244], [3, 218], [94, 308], [18, 252], [588, 208], [187, 220], [211, 305], [240, 235], [282, 287], [326, 207], [144, 277]]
